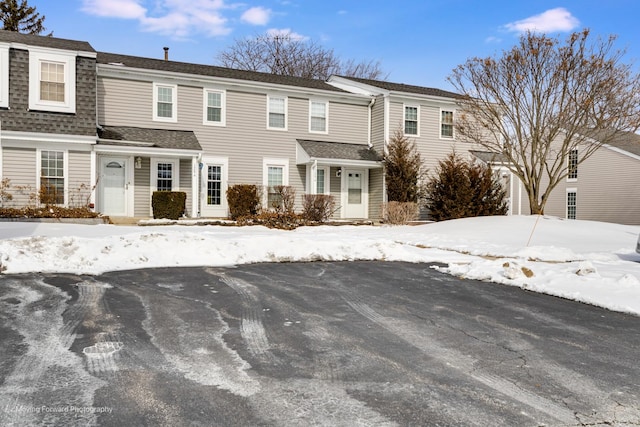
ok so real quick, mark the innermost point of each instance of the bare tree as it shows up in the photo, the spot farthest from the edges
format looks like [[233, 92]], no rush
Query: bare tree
[[284, 54], [541, 100], [20, 17]]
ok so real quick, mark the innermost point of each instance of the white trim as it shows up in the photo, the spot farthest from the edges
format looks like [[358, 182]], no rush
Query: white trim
[[38, 56], [327, 180], [566, 202], [404, 120], [223, 107], [326, 115], [453, 128], [273, 162], [286, 112], [175, 173], [22, 139], [149, 152], [174, 102], [4, 76], [65, 170], [577, 164], [223, 209]]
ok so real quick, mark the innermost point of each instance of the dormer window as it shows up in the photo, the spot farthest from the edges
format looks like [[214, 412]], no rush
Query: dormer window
[[52, 81]]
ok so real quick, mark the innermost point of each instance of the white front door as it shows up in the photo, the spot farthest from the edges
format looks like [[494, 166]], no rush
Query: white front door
[[356, 197], [213, 194], [113, 186]]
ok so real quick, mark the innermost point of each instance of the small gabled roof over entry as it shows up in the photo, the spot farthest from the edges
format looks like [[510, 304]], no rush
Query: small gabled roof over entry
[[337, 153], [149, 138]]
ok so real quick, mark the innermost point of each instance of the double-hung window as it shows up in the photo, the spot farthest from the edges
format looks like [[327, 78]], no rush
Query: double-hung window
[[277, 112], [165, 107], [164, 175], [52, 177], [52, 81], [318, 116], [572, 204], [572, 165], [446, 124], [411, 120], [276, 173], [214, 109]]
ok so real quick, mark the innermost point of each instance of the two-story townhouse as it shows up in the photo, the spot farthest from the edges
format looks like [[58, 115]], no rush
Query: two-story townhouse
[[603, 187], [47, 117], [166, 125]]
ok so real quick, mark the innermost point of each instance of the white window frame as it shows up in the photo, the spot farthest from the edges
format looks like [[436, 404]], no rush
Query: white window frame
[[175, 170], [569, 177], [4, 76], [273, 162], [326, 115], [223, 107], [286, 112], [174, 102], [36, 57], [575, 192], [327, 180], [65, 170], [404, 120], [453, 120]]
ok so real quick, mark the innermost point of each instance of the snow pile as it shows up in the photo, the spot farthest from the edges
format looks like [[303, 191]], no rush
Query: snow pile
[[586, 261]]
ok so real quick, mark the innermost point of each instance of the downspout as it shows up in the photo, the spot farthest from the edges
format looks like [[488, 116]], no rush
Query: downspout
[[373, 101]]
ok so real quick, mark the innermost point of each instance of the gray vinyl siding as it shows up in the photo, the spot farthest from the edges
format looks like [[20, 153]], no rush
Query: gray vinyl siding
[[605, 189], [19, 165], [185, 184], [377, 125], [375, 193], [335, 186], [244, 139], [79, 185], [142, 191]]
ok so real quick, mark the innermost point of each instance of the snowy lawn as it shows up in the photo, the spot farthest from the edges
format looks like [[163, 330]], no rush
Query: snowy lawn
[[586, 261]]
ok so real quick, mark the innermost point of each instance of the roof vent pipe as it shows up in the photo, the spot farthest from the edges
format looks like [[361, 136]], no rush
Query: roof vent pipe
[[166, 53]]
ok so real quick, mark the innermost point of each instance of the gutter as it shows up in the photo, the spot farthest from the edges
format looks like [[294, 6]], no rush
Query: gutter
[[373, 101]]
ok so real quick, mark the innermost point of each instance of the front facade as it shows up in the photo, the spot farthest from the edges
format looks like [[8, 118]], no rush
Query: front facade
[[80, 127]]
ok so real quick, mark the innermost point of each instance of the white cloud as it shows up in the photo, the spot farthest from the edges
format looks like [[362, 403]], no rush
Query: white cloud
[[256, 16], [274, 32], [125, 9], [174, 18], [493, 39], [553, 20]]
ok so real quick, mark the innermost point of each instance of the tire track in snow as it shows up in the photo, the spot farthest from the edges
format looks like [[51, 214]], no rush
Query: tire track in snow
[[49, 373], [251, 324], [458, 361]]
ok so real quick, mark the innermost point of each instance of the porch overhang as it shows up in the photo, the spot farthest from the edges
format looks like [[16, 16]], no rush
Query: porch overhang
[[326, 153], [147, 142]]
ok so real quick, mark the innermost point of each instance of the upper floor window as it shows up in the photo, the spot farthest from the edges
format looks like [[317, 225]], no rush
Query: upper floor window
[[446, 124], [52, 82], [164, 102], [573, 165], [52, 177], [410, 120], [318, 116], [277, 112], [214, 110]]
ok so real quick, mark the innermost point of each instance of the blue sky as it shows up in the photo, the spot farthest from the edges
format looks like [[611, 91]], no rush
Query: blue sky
[[416, 42]]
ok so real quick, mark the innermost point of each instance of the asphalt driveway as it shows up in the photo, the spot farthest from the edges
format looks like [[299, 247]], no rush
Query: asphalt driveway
[[349, 343]]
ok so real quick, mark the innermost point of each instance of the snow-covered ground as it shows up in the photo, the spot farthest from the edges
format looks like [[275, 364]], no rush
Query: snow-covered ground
[[586, 261]]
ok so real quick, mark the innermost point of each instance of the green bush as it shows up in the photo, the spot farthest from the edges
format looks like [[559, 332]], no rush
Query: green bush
[[168, 204], [404, 171], [462, 189], [244, 200]]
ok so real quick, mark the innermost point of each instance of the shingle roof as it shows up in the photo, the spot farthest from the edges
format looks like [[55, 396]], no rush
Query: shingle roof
[[44, 41], [401, 87], [627, 141], [159, 138], [339, 150], [490, 157], [212, 71]]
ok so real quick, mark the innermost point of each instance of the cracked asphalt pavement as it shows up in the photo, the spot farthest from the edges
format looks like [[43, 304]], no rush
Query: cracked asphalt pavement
[[345, 343]]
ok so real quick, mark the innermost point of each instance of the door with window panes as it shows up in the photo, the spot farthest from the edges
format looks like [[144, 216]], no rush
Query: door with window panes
[[213, 200], [356, 181]]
